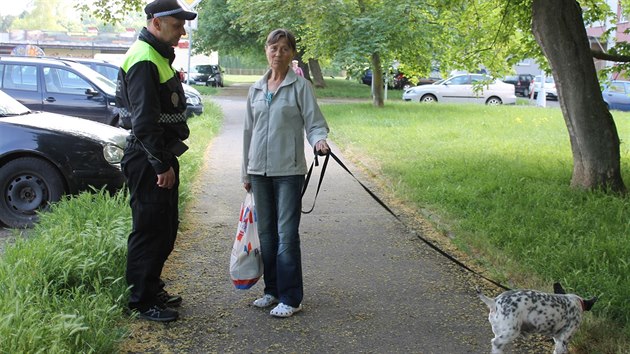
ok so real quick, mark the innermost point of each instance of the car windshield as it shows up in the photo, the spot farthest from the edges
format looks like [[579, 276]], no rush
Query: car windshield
[[103, 83], [204, 69], [11, 107]]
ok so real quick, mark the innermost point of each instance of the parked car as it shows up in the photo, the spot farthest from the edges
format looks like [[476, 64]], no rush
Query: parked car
[[110, 71], [461, 89], [397, 81], [521, 83], [44, 156], [616, 94], [59, 86], [105, 68], [208, 75], [366, 78], [194, 103], [550, 87]]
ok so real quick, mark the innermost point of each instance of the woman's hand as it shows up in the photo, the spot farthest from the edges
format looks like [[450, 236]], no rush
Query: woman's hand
[[322, 147], [247, 186]]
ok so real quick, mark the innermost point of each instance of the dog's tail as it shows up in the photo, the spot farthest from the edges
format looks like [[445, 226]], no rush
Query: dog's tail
[[488, 301]]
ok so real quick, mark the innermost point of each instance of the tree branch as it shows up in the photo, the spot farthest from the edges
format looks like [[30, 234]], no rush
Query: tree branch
[[610, 57]]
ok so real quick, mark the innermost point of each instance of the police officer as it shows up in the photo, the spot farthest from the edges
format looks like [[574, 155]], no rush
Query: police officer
[[152, 105]]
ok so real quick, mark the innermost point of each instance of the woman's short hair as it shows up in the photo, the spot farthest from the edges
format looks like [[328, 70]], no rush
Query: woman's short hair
[[280, 33]]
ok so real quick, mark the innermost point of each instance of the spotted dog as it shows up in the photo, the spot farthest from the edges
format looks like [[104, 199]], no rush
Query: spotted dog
[[528, 311]]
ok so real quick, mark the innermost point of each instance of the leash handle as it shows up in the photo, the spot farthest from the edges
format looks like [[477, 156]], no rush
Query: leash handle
[[319, 184]]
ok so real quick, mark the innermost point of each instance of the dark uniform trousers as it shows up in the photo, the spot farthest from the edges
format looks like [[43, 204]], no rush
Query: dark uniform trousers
[[155, 221]]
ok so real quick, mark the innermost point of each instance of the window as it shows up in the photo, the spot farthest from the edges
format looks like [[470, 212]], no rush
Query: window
[[65, 81], [617, 87], [107, 71], [622, 15], [478, 78], [20, 77], [458, 80], [51, 82]]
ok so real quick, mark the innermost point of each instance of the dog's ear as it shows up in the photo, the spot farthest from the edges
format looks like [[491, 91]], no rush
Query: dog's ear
[[557, 289], [588, 304]]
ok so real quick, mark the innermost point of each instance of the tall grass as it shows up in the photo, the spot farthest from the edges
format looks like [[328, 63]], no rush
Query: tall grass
[[62, 289], [498, 177]]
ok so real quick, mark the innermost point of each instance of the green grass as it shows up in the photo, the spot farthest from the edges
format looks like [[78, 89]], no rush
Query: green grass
[[230, 79], [208, 90], [62, 289], [498, 177]]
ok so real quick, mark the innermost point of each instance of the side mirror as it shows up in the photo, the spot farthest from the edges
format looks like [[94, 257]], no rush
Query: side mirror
[[91, 92]]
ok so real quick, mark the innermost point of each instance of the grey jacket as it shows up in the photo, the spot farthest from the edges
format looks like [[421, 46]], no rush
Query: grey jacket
[[273, 134]]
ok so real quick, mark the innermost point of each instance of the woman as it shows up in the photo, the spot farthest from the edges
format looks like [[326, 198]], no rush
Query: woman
[[281, 107], [296, 68]]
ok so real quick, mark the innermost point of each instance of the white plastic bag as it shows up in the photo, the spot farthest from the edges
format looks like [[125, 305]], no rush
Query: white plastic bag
[[246, 265]]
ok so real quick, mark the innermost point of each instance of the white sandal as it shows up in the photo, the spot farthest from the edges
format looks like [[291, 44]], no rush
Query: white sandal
[[283, 310], [265, 301]]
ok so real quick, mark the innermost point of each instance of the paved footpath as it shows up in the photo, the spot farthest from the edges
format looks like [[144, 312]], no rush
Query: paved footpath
[[370, 285]]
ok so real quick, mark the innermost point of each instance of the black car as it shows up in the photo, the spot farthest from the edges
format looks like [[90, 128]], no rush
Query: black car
[[398, 80], [44, 156], [208, 75], [521, 83], [105, 68], [194, 104], [59, 86], [366, 78]]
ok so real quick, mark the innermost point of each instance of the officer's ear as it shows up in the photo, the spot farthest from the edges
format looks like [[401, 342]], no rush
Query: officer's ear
[[155, 22]]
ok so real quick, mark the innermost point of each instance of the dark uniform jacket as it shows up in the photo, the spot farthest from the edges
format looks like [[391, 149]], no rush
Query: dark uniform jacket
[[151, 100]]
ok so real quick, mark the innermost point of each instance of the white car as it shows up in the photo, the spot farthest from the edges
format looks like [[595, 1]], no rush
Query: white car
[[462, 89], [550, 87]]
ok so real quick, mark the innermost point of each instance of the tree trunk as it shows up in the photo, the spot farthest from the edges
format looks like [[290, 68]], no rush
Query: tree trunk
[[559, 30], [377, 81], [316, 70], [306, 71]]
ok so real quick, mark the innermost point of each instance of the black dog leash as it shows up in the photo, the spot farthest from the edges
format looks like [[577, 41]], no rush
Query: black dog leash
[[321, 178], [379, 201]]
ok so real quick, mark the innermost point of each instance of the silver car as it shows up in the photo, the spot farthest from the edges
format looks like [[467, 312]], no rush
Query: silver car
[[465, 88], [550, 87]]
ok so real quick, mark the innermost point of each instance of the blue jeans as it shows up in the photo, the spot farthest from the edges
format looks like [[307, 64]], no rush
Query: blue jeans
[[279, 207]]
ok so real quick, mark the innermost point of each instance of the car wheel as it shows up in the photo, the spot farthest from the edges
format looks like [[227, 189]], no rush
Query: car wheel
[[526, 93], [28, 186], [494, 101], [428, 98]]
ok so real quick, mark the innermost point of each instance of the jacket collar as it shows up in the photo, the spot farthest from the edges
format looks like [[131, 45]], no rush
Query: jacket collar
[[165, 50], [288, 80]]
